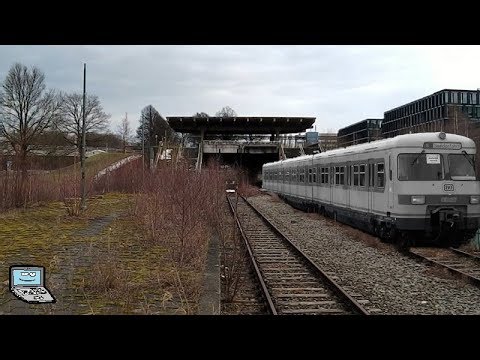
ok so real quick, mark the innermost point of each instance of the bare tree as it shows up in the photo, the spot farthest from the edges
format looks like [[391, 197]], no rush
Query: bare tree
[[226, 111], [71, 117], [124, 131], [27, 109], [201, 115], [153, 128]]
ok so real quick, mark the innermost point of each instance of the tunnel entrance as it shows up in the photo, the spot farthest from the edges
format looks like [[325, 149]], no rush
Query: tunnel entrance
[[250, 163]]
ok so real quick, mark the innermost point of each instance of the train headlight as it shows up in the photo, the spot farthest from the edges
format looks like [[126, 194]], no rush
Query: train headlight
[[418, 199], [474, 199]]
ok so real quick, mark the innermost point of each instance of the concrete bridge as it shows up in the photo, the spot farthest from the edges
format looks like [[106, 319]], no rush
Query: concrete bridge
[[246, 141]]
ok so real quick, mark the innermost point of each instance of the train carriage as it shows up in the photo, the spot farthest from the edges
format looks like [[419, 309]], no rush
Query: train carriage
[[403, 188]]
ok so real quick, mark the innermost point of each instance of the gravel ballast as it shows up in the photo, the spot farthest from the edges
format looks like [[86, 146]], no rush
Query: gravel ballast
[[393, 282]]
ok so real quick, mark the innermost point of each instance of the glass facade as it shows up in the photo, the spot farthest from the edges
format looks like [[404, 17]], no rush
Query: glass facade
[[426, 112]]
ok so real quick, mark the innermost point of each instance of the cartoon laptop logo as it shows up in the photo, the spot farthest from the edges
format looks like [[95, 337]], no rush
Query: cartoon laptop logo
[[27, 284]]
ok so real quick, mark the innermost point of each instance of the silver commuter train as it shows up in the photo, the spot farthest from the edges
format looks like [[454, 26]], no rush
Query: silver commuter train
[[402, 189]]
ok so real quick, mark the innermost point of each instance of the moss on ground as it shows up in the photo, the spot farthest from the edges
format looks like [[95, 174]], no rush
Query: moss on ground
[[113, 272]]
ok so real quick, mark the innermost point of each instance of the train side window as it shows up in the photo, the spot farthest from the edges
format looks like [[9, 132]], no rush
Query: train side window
[[310, 178], [287, 176], [348, 176], [332, 175], [342, 175], [362, 175], [380, 175], [355, 175], [337, 175], [314, 175]]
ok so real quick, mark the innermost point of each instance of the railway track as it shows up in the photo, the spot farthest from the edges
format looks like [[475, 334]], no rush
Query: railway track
[[290, 281], [246, 300], [465, 265]]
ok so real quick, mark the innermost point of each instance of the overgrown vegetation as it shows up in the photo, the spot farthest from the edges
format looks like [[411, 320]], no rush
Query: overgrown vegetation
[[44, 186]]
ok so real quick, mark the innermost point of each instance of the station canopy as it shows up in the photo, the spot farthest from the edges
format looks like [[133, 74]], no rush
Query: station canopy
[[240, 125]]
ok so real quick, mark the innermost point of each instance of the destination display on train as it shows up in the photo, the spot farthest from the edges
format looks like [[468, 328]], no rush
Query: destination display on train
[[442, 145]]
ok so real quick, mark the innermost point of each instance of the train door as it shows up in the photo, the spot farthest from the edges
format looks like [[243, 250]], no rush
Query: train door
[[348, 182], [305, 183], [332, 181], [390, 188], [313, 181], [370, 184]]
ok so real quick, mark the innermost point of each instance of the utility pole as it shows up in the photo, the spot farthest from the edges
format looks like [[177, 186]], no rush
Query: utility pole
[[125, 134], [83, 205], [143, 147], [150, 132]]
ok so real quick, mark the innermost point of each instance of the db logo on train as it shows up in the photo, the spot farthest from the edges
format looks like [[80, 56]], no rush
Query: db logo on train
[[448, 187]]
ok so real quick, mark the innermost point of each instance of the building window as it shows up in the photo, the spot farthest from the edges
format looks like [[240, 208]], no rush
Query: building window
[[454, 98], [446, 96]]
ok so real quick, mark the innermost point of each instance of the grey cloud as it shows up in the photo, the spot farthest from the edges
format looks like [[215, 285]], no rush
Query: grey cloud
[[339, 85]]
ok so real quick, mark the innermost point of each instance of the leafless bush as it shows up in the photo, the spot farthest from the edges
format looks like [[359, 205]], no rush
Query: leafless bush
[[72, 205], [128, 178], [178, 206], [248, 190]]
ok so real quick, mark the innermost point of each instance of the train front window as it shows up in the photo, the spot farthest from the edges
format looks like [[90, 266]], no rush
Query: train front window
[[420, 167], [461, 167]]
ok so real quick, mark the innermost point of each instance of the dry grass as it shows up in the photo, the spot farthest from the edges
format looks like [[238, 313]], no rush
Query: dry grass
[[248, 190]]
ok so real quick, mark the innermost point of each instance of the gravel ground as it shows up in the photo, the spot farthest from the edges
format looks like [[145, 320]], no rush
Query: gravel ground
[[394, 283]]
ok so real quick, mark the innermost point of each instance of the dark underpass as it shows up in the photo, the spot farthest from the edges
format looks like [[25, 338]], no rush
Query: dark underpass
[[250, 163]]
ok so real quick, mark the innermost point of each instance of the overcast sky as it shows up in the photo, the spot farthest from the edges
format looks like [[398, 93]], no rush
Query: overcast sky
[[339, 85]]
